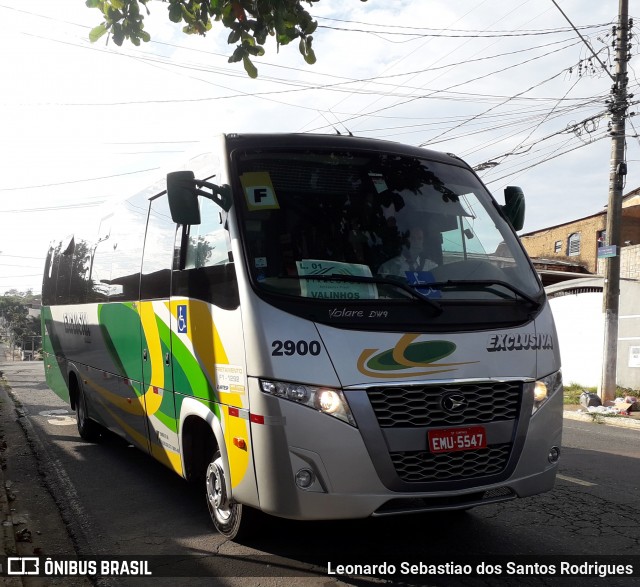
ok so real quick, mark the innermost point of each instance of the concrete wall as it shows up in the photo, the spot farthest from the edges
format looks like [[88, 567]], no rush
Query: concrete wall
[[580, 340], [580, 326]]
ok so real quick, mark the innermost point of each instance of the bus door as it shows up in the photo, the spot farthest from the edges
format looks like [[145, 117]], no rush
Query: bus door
[[204, 291], [207, 342], [157, 323]]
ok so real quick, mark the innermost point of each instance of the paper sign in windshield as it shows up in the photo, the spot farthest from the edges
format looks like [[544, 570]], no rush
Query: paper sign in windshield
[[258, 191], [335, 290]]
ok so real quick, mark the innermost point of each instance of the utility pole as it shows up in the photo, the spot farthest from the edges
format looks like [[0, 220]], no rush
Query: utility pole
[[611, 293]]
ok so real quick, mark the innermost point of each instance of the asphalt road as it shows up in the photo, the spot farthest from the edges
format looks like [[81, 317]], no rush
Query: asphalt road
[[114, 500]]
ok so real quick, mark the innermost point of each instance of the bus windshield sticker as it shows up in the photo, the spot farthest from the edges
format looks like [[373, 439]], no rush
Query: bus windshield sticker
[[335, 290], [378, 182], [417, 278], [258, 191]]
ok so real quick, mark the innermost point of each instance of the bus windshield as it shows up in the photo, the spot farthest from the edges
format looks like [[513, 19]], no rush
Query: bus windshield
[[364, 225]]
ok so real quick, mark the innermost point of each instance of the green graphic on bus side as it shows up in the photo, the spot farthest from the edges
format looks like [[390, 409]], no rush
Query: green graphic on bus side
[[415, 354], [124, 338], [121, 331]]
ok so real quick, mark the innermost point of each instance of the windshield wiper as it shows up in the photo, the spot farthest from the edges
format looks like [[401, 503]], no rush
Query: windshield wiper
[[481, 283], [366, 279]]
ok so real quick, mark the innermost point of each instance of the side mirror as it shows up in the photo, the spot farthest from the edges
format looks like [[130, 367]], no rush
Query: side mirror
[[183, 199], [513, 207], [183, 191]]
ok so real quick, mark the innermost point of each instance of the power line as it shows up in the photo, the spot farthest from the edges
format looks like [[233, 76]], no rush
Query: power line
[[469, 31], [19, 276], [46, 185], [461, 35], [546, 159]]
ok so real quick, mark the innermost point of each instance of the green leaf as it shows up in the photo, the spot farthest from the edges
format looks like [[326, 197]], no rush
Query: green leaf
[[118, 35], [114, 15], [93, 3], [247, 39], [238, 54], [257, 51], [249, 67], [119, 4], [175, 13], [311, 27], [97, 32], [234, 37], [145, 36], [187, 14], [261, 36], [310, 56]]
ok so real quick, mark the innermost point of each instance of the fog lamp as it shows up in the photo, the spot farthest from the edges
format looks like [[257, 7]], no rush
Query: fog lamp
[[304, 478]]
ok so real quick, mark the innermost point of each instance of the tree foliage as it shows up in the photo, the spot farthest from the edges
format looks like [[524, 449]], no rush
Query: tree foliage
[[14, 313], [250, 23]]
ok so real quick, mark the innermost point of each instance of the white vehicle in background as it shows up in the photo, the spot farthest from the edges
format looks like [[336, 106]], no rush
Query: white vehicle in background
[[336, 328]]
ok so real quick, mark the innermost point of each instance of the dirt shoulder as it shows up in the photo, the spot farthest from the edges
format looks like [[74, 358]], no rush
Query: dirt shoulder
[[31, 521]]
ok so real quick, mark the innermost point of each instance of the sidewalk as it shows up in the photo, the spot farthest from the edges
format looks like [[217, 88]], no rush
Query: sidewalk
[[32, 524], [577, 412]]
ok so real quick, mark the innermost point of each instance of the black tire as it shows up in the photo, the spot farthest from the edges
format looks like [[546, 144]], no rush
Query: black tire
[[231, 519], [88, 429]]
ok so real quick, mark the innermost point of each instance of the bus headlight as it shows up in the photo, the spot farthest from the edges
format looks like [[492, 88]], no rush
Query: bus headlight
[[326, 400], [544, 388]]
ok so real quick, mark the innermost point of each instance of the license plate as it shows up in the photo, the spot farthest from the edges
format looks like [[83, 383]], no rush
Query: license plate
[[456, 439]]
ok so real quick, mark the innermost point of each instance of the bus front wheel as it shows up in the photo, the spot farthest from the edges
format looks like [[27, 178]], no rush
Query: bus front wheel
[[231, 519]]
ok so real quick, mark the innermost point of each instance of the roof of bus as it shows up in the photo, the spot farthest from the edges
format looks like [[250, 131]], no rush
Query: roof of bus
[[293, 140]]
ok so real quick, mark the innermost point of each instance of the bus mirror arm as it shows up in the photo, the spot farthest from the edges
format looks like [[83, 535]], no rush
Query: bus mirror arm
[[220, 194]]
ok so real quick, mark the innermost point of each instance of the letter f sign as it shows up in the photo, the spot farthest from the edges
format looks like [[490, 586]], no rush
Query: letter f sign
[[258, 191], [259, 194]]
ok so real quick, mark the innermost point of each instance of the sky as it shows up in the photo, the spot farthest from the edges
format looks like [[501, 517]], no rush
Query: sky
[[508, 86]]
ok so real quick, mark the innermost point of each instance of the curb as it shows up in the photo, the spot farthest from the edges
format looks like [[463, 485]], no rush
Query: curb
[[620, 421], [8, 529]]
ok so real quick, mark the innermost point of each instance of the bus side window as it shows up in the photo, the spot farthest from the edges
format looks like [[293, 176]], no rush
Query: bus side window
[[50, 277], [79, 280], [128, 239], [208, 272], [159, 251], [207, 241], [102, 254], [100, 272], [65, 263]]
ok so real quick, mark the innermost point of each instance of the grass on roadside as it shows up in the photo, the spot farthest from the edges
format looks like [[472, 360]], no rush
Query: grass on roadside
[[572, 392]]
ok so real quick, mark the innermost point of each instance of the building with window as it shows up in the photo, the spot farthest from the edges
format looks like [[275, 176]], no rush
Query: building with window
[[577, 242]]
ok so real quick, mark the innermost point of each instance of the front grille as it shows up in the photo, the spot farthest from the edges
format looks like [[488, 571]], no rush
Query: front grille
[[413, 406], [421, 466]]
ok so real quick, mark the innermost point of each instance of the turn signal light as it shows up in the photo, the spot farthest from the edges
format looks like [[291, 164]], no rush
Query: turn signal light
[[240, 443]]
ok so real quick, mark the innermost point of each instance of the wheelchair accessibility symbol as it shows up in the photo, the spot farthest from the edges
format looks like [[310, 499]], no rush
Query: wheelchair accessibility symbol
[[182, 319]]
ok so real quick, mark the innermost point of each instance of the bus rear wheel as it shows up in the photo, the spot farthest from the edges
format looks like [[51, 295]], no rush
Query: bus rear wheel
[[233, 520]]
